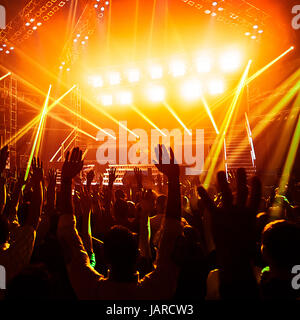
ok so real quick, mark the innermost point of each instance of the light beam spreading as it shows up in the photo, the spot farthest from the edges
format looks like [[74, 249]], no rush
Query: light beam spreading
[[288, 166], [87, 121], [5, 76], [147, 119], [177, 118], [67, 138], [250, 79], [42, 116], [209, 114], [216, 149], [259, 72], [35, 120]]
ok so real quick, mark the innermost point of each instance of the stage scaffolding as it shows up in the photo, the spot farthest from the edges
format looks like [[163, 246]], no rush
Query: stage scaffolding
[[8, 117]]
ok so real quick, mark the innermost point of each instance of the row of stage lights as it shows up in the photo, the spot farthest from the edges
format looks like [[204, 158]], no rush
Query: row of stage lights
[[190, 90], [82, 39], [229, 61], [216, 9], [5, 48]]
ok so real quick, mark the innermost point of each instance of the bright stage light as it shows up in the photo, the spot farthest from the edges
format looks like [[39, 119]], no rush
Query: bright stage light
[[114, 78], [216, 86], [230, 60], [156, 72], [95, 81], [177, 68], [203, 63], [156, 93], [191, 89], [133, 75], [125, 98], [106, 99]]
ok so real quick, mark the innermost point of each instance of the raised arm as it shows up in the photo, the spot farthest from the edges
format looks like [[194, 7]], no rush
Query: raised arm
[[3, 159], [82, 276], [233, 230]]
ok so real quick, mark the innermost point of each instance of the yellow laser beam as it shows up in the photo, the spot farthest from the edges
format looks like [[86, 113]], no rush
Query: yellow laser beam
[[147, 119], [177, 118], [253, 77], [216, 149], [209, 114], [35, 120], [290, 159], [5, 76], [43, 114]]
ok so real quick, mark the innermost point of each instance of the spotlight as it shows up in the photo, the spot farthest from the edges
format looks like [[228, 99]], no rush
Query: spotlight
[[177, 68], [230, 60], [253, 37], [95, 81], [213, 14], [133, 75], [1, 49], [4, 45], [75, 40], [39, 24], [260, 31], [68, 69], [27, 24], [31, 20], [207, 11], [220, 9], [107, 3], [156, 72], [215, 3], [247, 34], [60, 67], [191, 89], [63, 63], [83, 42], [78, 35], [86, 37], [125, 98], [102, 9], [107, 100], [216, 86], [34, 28], [255, 26], [203, 63], [96, 6], [114, 78], [7, 52], [12, 48], [156, 93]]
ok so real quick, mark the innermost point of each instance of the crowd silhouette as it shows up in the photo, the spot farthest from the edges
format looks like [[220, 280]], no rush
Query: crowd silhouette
[[177, 240]]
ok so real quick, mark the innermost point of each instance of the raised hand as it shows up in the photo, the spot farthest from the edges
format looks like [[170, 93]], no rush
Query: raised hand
[[3, 158], [233, 222], [37, 174], [72, 166], [52, 175], [171, 169], [139, 177], [112, 177]]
